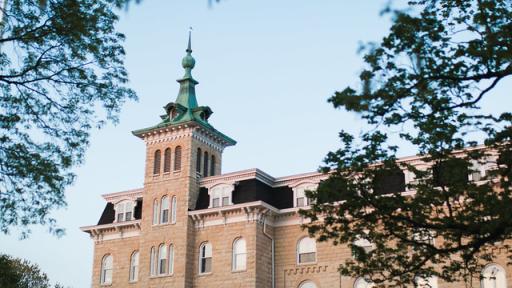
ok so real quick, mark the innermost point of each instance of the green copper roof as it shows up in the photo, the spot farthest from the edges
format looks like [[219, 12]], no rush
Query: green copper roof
[[185, 108]]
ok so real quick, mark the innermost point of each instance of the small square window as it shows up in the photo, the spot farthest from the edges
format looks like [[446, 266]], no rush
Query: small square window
[[120, 217], [128, 216], [301, 202], [225, 201], [215, 202]]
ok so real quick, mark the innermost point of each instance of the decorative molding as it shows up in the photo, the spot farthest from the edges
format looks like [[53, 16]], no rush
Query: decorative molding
[[309, 269], [132, 194], [113, 231]]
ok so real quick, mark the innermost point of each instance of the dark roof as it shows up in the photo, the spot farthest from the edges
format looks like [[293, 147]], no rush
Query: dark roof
[[253, 190]]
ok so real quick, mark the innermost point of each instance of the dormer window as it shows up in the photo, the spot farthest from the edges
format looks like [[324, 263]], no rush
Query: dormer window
[[124, 211], [221, 195], [299, 194]]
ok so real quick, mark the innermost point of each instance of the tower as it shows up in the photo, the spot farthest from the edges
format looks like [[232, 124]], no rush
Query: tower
[[180, 150]]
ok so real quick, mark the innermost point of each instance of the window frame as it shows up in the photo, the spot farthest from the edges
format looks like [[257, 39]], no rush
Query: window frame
[[133, 274], [164, 210], [299, 192], [205, 164], [167, 160], [162, 260], [203, 256], [125, 208], [156, 212], [218, 192], [104, 280], [498, 267], [236, 253], [177, 159], [299, 253], [157, 162]]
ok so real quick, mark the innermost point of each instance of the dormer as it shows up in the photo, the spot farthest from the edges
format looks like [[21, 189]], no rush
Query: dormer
[[221, 195], [299, 193]]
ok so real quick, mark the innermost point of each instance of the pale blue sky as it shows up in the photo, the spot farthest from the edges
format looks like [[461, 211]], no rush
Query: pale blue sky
[[265, 68]]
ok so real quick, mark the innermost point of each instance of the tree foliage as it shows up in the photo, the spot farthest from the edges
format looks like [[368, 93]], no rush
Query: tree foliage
[[427, 78], [19, 273], [61, 74]]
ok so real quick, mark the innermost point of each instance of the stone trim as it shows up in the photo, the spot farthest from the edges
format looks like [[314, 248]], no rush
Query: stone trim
[[113, 231]]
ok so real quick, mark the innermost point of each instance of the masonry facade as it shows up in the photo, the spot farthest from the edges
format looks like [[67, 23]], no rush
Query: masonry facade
[[192, 226]]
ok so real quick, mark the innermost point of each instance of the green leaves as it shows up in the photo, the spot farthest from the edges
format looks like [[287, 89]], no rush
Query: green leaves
[[427, 78], [61, 61]]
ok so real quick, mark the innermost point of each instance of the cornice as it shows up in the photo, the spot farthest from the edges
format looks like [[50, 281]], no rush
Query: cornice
[[132, 194]]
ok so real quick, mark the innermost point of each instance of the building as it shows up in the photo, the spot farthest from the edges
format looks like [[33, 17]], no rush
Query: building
[[192, 226]]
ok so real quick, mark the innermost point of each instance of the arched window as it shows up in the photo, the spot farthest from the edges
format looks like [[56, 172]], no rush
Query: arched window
[[155, 212], [205, 164], [167, 160], [307, 284], [493, 276], [134, 266], [177, 158], [124, 210], [198, 160], [299, 192], [306, 250], [174, 207], [425, 282], [156, 163], [152, 261], [239, 255], [162, 259], [361, 282], [212, 166], [171, 259], [205, 258], [164, 210], [107, 265]]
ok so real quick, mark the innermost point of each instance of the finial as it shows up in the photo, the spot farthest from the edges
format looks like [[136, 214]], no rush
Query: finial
[[189, 48]]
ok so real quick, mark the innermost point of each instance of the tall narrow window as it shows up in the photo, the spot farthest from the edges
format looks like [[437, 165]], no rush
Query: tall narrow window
[[177, 158], [306, 251], [107, 264], [174, 207], [167, 160], [198, 160], [164, 210], [239, 255], [162, 259], [212, 166], [205, 164], [493, 276], [155, 212], [171, 259], [152, 261], [156, 163], [205, 258], [134, 266]]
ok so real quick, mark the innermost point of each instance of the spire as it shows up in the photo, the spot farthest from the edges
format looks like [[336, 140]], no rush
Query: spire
[[187, 94]]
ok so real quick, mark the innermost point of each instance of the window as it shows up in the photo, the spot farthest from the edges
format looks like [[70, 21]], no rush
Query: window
[[220, 195], [174, 207], [164, 210], [156, 163], [493, 276], [306, 251], [171, 259], [364, 244], [212, 166], [239, 255], [425, 282], [198, 160], [152, 260], [167, 160], [134, 266], [205, 164], [450, 172], [300, 194], [162, 259], [124, 211], [387, 181], [361, 282], [205, 258], [155, 212], [107, 264], [307, 284], [177, 158]]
